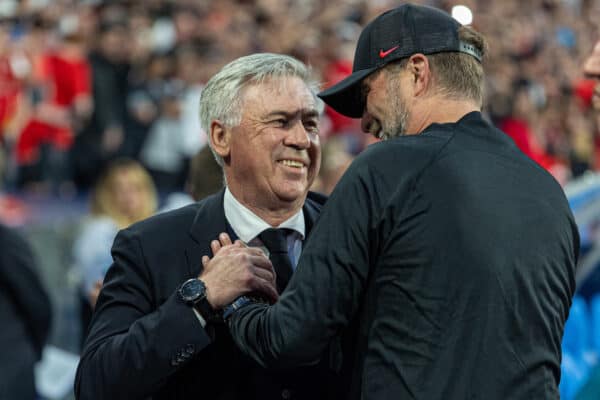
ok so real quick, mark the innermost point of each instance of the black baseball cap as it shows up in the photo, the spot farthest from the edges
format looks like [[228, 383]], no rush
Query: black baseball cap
[[395, 34]]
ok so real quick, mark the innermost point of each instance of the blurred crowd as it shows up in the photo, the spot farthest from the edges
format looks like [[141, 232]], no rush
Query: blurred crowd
[[102, 96], [86, 82]]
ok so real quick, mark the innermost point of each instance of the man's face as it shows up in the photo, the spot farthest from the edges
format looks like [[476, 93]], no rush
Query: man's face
[[129, 193], [274, 153], [386, 113]]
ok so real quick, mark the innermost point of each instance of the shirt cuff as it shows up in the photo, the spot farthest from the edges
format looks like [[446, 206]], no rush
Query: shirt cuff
[[200, 318]]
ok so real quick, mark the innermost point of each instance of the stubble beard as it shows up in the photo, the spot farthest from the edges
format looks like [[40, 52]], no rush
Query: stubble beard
[[394, 125]]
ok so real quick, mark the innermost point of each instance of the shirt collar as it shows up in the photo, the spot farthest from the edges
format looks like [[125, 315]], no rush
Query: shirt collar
[[248, 225]]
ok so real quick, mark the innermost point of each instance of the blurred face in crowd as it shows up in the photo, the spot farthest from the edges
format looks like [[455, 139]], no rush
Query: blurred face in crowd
[[129, 192], [273, 155], [523, 107], [386, 112], [114, 44]]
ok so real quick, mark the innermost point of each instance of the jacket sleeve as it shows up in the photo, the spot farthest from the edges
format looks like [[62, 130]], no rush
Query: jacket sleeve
[[134, 344], [325, 291], [18, 274]]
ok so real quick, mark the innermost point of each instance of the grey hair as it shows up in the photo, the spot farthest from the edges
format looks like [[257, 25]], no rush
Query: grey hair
[[221, 98]]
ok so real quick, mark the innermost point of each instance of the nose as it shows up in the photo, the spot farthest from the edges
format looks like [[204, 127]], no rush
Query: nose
[[298, 137]]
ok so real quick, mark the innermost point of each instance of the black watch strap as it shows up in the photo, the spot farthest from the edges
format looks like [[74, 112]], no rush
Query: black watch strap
[[209, 314]]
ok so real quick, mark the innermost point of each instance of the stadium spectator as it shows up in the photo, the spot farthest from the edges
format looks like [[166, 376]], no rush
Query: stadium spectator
[[104, 136], [124, 194], [63, 82]]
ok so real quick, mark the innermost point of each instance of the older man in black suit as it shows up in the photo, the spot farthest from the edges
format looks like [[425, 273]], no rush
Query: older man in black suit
[[155, 332]]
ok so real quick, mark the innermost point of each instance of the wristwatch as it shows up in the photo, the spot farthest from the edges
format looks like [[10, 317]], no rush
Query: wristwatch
[[193, 293]]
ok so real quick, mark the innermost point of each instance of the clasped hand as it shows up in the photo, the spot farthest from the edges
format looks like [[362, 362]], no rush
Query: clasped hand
[[234, 270]]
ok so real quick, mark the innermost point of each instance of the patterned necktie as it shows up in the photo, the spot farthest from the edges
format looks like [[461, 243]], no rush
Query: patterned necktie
[[275, 240]]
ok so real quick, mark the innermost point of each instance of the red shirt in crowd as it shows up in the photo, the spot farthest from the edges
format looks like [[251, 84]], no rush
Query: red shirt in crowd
[[66, 79]]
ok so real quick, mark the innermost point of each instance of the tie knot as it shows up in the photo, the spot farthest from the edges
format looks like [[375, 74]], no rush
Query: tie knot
[[275, 239]]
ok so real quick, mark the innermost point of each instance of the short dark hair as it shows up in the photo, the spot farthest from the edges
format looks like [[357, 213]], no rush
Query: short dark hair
[[460, 75]]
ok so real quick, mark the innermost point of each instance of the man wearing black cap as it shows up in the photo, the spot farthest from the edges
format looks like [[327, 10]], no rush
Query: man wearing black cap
[[444, 258]]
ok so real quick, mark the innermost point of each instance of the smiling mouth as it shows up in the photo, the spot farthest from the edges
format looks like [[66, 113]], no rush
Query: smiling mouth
[[292, 163]]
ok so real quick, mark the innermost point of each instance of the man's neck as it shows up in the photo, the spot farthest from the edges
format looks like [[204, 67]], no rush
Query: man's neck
[[438, 110], [273, 216], [247, 225], [273, 213]]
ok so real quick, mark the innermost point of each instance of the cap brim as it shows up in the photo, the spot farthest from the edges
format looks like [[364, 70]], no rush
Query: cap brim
[[345, 96]]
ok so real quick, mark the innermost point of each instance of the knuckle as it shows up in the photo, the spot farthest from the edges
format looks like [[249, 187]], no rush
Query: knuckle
[[248, 277]]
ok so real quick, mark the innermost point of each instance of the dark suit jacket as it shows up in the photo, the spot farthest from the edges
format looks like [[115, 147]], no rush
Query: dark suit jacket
[[25, 315], [143, 341], [447, 257]]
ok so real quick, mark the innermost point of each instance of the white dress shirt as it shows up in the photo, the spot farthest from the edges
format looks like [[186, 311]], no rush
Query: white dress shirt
[[247, 226]]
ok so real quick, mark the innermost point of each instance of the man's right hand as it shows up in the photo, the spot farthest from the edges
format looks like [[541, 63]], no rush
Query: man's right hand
[[236, 270]]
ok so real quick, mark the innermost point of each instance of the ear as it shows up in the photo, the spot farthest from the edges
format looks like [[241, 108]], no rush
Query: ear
[[220, 136], [418, 65]]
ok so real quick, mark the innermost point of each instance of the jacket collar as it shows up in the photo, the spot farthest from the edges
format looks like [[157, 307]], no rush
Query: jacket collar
[[209, 218]]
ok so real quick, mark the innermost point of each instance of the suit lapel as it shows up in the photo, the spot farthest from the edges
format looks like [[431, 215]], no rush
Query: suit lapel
[[208, 222]]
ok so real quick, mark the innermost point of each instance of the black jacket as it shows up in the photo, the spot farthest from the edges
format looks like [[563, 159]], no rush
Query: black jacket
[[144, 342], [25, 315], [445, 260]]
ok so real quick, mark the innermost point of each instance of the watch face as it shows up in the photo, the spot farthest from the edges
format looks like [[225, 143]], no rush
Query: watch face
[[191, 290]]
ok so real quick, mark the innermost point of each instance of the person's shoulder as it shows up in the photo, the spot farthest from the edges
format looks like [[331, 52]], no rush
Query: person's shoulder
[[13, 244], [166, 220], [400, 154], [93, 233], [101, 223], [5, 231], [10, 236], [160, 232], [174, 220]]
